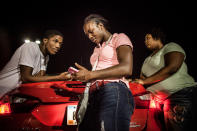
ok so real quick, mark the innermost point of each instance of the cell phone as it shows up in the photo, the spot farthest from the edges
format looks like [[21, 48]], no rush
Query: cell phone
[[72, 70]]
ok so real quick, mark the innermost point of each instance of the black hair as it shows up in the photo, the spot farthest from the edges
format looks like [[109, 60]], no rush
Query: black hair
[[97, 19], [158, 34], [50, 33]]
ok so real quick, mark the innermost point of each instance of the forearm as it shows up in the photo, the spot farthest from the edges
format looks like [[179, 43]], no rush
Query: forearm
[[114, 72], [28, 79], [158, 76], [40, 73], [142, 76], [26, 75]]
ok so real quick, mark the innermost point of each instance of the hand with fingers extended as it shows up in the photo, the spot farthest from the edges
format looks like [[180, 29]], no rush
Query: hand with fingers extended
[[139, 81], [83, 74], [64, 76]]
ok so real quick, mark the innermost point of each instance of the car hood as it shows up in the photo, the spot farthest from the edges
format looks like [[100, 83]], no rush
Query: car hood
[[58, 91]]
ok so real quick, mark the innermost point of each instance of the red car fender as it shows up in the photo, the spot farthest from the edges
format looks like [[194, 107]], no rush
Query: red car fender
[[51, 115]]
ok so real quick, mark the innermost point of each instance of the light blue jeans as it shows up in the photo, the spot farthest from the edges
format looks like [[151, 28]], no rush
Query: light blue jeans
[[109, 109]]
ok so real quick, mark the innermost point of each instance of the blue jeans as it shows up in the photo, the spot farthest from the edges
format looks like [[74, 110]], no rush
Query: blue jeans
[[109, 109]]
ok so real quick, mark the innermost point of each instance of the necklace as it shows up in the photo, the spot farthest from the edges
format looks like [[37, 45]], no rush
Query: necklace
[[108, 40], [106, 43]]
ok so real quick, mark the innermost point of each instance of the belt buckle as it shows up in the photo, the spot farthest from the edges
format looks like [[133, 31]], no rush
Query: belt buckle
[[99, 84]]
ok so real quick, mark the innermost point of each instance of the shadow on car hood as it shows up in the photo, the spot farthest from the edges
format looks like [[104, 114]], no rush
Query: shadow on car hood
[[58, 91]]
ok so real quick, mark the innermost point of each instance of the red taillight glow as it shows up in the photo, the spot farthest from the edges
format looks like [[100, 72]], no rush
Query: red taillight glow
[[152, 104], [156, 102], [5, 108]]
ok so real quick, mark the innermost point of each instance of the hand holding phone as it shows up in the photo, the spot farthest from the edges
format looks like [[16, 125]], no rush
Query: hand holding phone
[[72, 70]]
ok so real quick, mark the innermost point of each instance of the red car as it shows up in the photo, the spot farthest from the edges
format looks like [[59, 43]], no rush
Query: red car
[[50, 106]]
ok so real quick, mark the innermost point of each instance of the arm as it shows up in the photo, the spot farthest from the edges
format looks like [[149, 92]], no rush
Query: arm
[[124, 68], [26, 75], [142, 76], [41, 73], [173, 62]]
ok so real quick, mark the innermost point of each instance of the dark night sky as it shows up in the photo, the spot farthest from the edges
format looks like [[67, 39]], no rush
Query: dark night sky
[[20, 20]]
